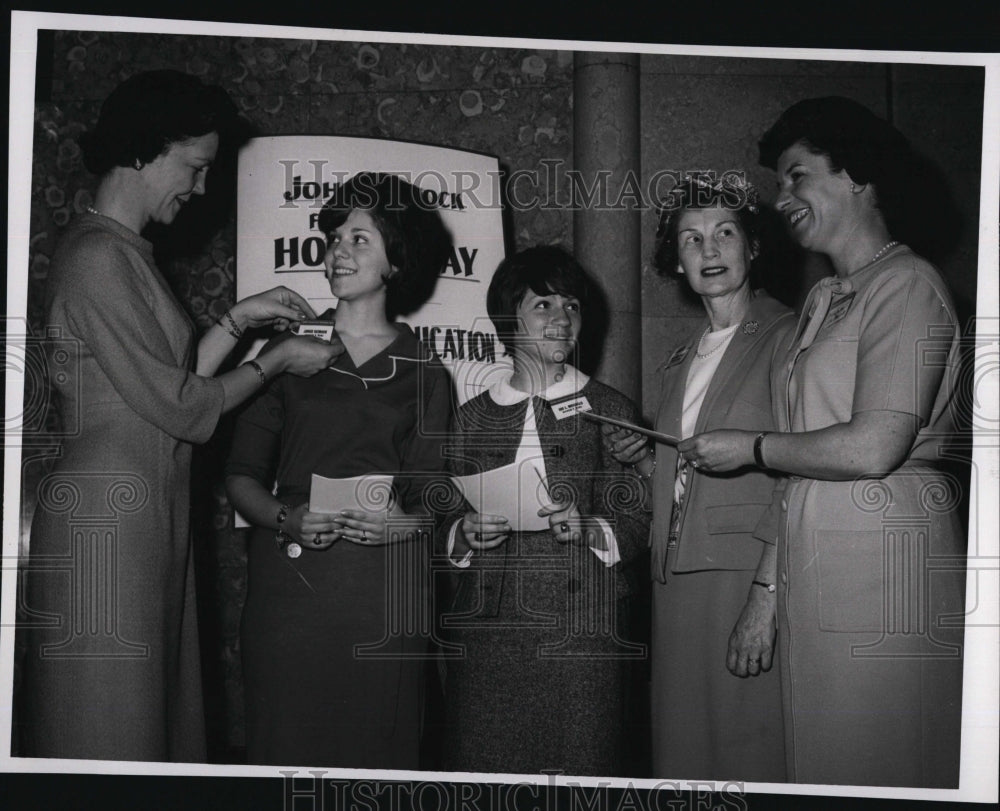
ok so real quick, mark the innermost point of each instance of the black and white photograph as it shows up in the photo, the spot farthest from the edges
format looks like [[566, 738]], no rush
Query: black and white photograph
[[476, 422]]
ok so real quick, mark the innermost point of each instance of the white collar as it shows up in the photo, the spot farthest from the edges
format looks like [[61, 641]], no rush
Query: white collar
[[505, 395]]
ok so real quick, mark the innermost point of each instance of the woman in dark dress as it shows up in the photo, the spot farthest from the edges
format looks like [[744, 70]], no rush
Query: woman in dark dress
[[119, 678], [334, 632], [541, 615]]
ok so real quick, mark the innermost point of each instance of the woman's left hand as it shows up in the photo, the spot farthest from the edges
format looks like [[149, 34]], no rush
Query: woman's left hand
[[718, 451], [751, 644], [277, 307], [361, 527], [627, 447], [568, 526]]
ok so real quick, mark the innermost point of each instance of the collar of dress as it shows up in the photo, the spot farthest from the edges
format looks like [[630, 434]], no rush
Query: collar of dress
[[504, 394]]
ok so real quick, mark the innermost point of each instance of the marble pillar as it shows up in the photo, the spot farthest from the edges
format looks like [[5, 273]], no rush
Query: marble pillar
[[607, 204]]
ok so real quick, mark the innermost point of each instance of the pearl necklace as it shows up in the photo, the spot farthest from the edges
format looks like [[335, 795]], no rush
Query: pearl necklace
[[91, 210], [882, 251], [722, 343]]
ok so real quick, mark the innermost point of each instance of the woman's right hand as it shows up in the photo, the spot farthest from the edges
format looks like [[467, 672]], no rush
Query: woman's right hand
[[481, 532], [277, 307], [303, 355], [312, 530]]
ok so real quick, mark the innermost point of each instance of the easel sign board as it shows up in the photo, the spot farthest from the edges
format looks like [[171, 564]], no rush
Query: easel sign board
[[283, 182]]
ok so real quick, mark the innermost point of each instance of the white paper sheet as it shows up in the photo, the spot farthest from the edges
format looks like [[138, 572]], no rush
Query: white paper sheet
[[372, 493], [515, 491]]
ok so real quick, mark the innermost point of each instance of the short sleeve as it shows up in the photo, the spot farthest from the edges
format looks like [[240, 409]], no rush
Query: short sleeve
[[907, 324], [107, 306]]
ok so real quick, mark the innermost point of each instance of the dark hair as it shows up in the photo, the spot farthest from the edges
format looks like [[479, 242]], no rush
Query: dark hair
[[854, 139], [544, 269], [731, 192], [417, 243], [149, 112]]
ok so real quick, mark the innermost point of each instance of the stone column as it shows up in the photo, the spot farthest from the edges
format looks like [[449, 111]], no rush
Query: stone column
[[606, 219]]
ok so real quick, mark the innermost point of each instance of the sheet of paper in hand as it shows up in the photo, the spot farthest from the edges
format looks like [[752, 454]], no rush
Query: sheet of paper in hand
[[514, 491], [371, 493]]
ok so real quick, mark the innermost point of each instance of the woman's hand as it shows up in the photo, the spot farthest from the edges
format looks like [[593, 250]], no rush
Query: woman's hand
[[481, 532], [312, 530], [277, 307], [568, 526], [627, 447], [363, 527], [718, 451], [301, 355], [751, 644]]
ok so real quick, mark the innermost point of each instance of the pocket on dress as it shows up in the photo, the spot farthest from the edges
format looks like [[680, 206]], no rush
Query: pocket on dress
[[851, 582], [732, 519]]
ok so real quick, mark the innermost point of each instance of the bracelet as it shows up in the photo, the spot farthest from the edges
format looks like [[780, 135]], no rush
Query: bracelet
[[652, 470], [230, 325], [763, 585], [758, 449], [258, 369], [282, 539]]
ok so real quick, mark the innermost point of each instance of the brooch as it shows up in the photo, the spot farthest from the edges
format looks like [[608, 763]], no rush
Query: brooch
[[750, 327]]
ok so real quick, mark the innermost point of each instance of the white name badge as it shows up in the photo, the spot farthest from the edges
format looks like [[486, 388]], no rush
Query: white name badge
[[567, 408], [312, 329]]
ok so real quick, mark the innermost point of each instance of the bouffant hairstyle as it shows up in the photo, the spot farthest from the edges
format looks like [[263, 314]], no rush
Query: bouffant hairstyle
[[545, 270], [731, 192], [149, 112], [417, 242], [854, 139]]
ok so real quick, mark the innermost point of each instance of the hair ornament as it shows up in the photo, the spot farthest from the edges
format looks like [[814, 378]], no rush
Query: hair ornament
[[705, 190]]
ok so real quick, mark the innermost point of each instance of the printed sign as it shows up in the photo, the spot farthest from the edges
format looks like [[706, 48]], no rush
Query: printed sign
[[283, 183]]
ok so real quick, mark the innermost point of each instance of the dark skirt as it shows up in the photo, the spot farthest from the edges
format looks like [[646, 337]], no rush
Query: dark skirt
[[540, 682], [334, 647]]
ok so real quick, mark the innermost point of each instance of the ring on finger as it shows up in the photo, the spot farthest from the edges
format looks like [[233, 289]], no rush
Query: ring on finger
[[478, 536], [564, 526]]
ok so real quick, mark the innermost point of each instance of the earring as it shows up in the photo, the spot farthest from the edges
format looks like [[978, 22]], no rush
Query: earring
[[138, 165], [854, 189]]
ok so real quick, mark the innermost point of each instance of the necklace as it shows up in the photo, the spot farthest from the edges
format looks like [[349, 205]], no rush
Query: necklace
[[91, 210], [882, 251], [722, 343]]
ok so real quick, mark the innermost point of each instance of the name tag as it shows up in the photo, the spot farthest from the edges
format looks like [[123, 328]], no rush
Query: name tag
[[314, 329], [567, 408], [838, 309]]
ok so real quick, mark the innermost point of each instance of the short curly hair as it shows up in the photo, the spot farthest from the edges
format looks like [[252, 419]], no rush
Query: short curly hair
[[417, 242], [731, 192], [543, 269], [149, 112]]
